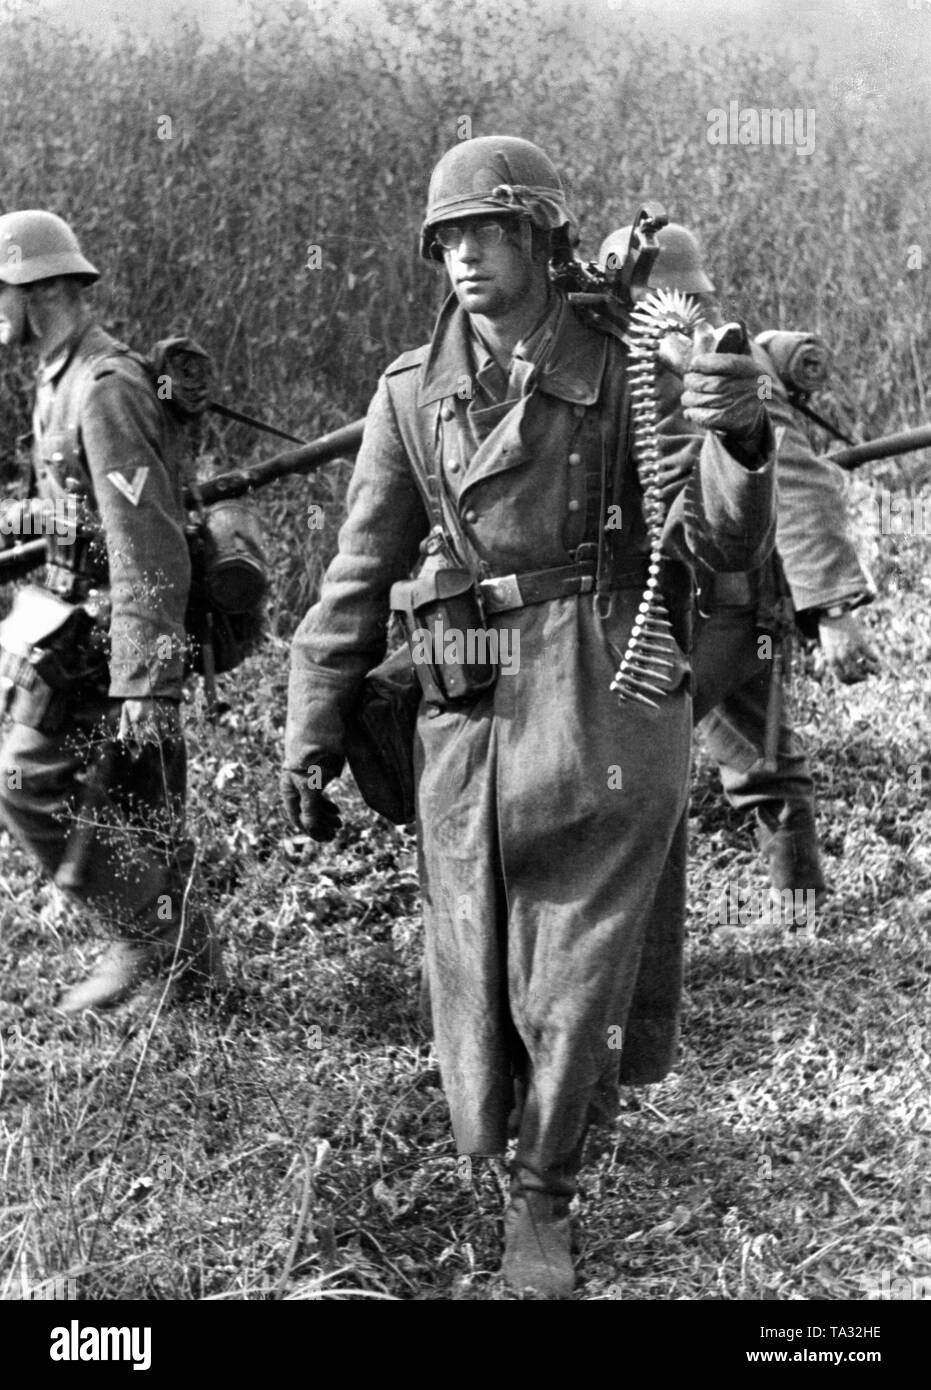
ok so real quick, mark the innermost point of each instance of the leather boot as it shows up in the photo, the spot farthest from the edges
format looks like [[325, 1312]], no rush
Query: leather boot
[[117, 973], [537, 1236], [788, 843], [199, 968]]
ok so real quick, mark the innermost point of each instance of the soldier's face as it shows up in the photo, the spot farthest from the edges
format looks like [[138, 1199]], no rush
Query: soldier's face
[[489, 279], [12, 315]]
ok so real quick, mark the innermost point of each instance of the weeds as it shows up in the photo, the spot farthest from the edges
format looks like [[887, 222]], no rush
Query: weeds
[[297, 1147]]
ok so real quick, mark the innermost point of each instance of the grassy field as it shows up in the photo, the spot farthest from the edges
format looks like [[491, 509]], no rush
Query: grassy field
[[296, 1146]]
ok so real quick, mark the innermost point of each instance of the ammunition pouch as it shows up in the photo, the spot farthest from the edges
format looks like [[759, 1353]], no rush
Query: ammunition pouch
[[45, 656], [443, 602]]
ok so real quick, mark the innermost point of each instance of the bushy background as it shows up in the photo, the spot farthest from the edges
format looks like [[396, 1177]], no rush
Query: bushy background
[[298, 1146]]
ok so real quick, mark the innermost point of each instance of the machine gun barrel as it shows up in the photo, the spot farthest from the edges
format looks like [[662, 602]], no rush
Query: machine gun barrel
[[20, 559], [303, 459]]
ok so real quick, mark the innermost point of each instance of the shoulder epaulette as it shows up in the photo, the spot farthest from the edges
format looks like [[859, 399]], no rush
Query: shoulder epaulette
[[408, 360], [108, 363]]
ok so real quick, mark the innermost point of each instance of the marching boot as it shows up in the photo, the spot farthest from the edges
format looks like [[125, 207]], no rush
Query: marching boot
[[788, 843], [116, 975], [537, 1235], [199, 967], [123, 967]]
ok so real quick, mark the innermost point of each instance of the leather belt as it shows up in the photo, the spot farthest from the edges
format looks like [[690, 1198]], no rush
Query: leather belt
[[539, 586]]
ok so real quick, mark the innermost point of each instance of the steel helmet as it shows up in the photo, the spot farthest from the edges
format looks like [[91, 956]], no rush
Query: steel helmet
[[37, 245], [494, 174], [678, 265]]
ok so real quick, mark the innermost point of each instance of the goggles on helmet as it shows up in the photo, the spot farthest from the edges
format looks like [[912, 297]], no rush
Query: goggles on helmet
[[485, 232]]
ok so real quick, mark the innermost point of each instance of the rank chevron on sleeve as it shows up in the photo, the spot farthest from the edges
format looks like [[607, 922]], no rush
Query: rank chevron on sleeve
[[130, 490]]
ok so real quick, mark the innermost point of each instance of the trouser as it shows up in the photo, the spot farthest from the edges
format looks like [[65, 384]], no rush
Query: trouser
[[137, 868], [731, 684]]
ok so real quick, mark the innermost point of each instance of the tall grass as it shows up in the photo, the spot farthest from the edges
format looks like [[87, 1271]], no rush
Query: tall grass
[[299, 1147], [202, 178]]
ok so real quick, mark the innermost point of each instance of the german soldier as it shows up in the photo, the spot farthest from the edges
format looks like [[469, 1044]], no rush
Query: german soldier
[[92, 772], [815, 574], [551, 822]]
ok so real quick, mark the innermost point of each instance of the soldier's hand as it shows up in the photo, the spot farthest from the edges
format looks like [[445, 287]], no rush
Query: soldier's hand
[[149, 721], [720, 393], [307, 808], [846, 648]]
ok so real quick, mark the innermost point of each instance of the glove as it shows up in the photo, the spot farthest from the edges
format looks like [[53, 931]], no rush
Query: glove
[[149, 721], [720, 393], [307, 808], [847, 650]]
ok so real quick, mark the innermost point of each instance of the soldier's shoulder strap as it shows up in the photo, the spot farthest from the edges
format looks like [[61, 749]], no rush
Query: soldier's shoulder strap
[[408, 361], [114, 360]]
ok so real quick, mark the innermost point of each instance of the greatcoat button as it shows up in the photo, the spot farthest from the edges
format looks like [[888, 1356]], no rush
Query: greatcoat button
[[453, 465], [471, 516], [574, 505], [574, 460], [447, 413]]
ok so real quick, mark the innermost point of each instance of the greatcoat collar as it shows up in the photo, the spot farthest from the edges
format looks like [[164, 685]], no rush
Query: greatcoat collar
[[572, 372]]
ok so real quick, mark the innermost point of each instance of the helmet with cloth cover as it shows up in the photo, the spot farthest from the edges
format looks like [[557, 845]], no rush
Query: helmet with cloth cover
[[495, 174]]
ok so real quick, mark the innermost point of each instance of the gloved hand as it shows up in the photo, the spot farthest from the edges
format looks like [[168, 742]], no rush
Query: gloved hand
[[154, 720], [846, 649], [307, 808], [720, 393]]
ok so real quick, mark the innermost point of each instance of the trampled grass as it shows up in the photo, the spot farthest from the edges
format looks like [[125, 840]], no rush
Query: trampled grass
[[297, 1145]]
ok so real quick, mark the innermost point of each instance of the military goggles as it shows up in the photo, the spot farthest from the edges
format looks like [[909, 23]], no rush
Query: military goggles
[[485, 233]]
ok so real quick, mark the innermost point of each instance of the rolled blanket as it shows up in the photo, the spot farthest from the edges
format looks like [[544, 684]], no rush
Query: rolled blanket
[[803, 360]]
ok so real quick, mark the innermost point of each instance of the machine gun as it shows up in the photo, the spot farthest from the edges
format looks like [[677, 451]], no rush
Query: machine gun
[[18, 560], [229, 573], [607, 296]]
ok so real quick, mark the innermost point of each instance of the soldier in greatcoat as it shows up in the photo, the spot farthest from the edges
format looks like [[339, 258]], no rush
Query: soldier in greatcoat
[[815, 578], [551, 820]]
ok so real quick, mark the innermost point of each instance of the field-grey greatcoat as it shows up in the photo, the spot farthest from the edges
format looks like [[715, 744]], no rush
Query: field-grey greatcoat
[[821, 567], [551, 820]]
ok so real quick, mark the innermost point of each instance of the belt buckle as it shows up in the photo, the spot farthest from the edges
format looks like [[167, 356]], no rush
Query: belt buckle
[[501, 594]]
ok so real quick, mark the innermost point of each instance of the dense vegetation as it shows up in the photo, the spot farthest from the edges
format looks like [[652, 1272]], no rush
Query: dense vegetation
[[297, 1145]]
